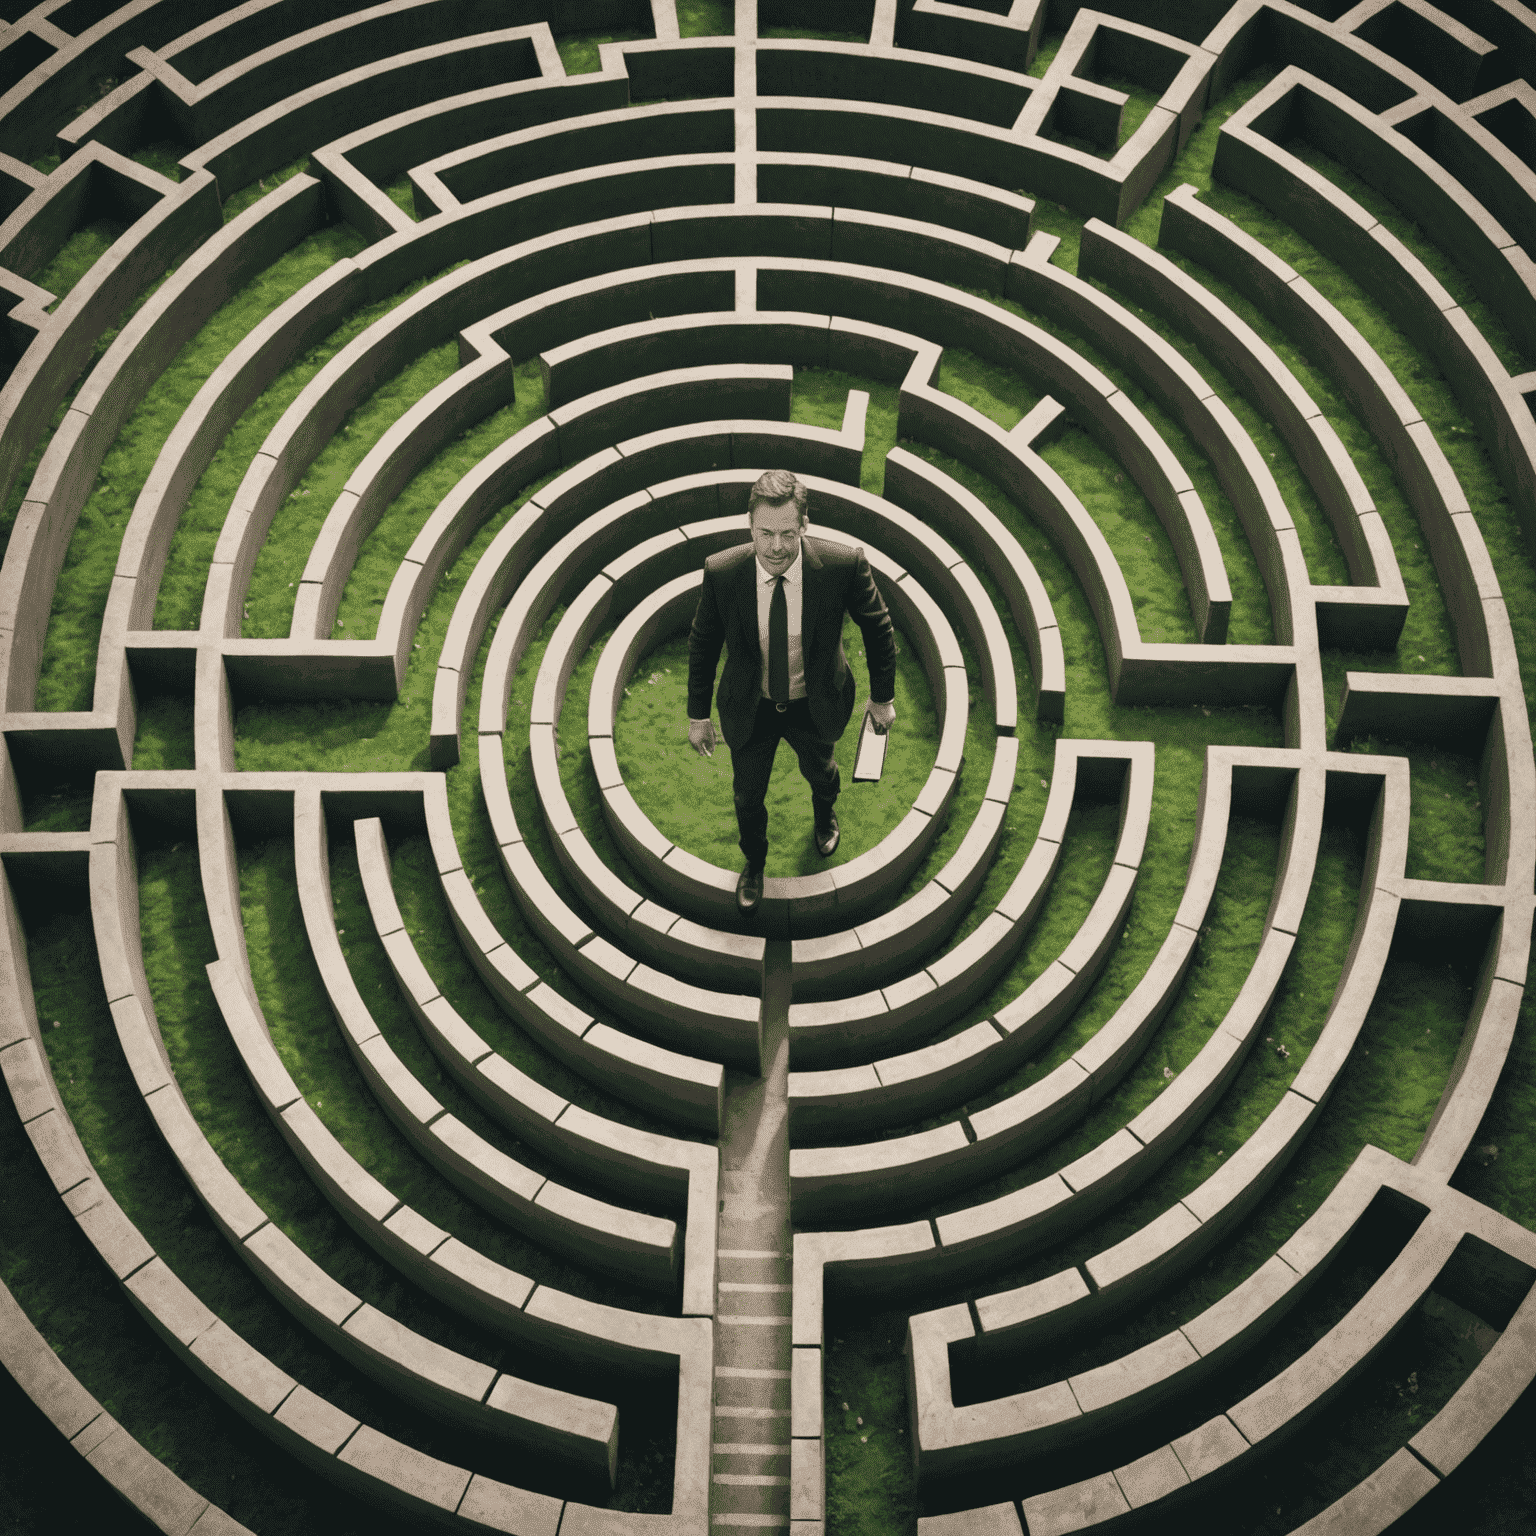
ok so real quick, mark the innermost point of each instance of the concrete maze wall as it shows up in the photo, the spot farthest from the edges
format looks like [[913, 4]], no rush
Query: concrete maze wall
[[1128, 1128]]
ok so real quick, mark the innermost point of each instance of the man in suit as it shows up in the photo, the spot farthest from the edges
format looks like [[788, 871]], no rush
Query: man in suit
[[777, 605]]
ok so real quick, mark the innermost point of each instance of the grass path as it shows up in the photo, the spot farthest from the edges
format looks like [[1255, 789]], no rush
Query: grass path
[[1385, 1096]]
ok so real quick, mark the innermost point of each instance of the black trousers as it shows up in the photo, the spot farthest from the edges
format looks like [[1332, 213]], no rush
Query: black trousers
[[752, 767]]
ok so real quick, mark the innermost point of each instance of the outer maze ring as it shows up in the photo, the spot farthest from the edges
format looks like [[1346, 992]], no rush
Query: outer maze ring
[[637, 1168]]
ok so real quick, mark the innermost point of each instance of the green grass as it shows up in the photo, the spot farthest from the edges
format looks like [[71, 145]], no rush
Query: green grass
[[689, 797], [383, 549], [1426, 644], [68, 1290], [285, 552], [84, 248], [186, 571], [1398, 1392], [237, 202], [425, 911], [815, 34], [69, 650], [1505, 1177], [1414, 1377], [313, 1048], [381, 737], [1384, 1097], [820, 400], [1445, 824], [54, 806], [16, 494], [164, 735], [1127, 519], [1421, 243], [579, 51], [869, 1464], [705, 18], [163, 157], [403, 195], [1395, 1076]]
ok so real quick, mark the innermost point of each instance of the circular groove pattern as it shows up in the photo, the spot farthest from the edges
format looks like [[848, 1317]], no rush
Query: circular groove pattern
[[412, 1124]]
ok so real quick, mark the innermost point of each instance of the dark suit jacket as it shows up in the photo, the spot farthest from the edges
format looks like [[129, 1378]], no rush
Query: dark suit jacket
[[837, 580]]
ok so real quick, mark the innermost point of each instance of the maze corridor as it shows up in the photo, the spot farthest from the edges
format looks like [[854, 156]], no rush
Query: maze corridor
[[1127, 1128]]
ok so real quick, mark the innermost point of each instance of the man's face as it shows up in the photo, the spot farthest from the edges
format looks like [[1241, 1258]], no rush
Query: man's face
[[776, 528]]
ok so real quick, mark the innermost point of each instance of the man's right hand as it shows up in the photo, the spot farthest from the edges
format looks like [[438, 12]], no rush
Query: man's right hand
[[701, 737]]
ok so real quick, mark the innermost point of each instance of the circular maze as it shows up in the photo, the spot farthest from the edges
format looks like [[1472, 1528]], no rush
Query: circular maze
[[1128, 1128]]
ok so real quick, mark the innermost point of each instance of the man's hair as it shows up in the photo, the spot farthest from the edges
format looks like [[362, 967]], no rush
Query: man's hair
[[773, 487]]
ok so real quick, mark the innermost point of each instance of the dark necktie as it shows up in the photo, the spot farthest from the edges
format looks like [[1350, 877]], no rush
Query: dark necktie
[[778, 644]]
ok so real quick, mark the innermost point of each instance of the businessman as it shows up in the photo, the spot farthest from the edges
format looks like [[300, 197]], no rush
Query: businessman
[[777, 606]]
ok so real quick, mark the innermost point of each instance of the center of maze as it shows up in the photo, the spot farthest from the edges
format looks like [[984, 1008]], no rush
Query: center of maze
[[1128, 1127]]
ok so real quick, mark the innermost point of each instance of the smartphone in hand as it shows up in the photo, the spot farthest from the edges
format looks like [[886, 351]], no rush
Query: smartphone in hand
[[869, 760]]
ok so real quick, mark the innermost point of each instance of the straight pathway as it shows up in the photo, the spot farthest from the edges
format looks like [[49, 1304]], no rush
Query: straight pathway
[[750, 1465]]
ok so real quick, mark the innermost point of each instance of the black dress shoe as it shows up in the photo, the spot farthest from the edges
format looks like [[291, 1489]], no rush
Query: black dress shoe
[[749, 888], [828, 835]]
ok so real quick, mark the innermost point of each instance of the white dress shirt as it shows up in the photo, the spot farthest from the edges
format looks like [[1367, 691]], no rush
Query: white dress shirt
[[794, 591]]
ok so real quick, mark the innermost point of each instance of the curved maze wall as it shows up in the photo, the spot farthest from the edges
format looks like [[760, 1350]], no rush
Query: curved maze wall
[[1131, 1123]]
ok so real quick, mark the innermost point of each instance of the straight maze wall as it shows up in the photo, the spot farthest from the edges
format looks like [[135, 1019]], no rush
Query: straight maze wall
[[1127, 1128]]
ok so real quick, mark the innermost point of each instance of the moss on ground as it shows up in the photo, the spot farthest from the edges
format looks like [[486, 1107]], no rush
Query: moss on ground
[[815, 34], [689, 797], [163, 738], [16, 492], [403, 195], [425, 911], [69, 648], [1385, 1095], [1398, 1392], [163, 157], [186, 570], [579, 51], [1412, 1379], [87, 1318], [313, 1048], [78, 254], [370, 969], [237, 202], [1400, 1065], [64, 1284], [865, 1418], [705, 18]]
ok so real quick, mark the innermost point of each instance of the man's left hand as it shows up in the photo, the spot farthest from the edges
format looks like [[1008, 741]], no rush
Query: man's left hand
[[882, 716]]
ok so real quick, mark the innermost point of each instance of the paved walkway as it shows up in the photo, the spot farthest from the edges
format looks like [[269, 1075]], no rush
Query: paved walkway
[[750, 1488]]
